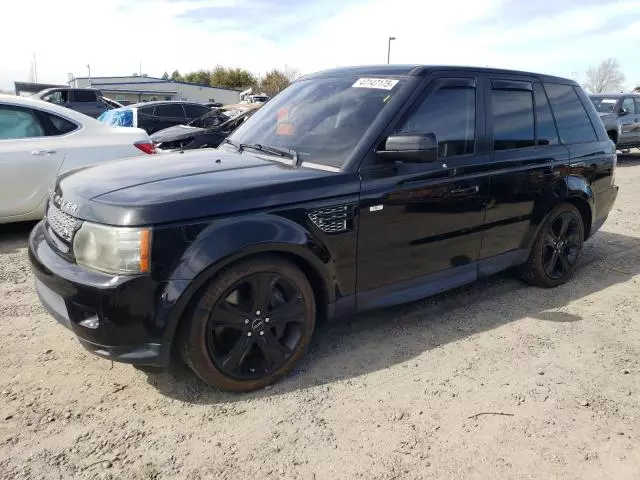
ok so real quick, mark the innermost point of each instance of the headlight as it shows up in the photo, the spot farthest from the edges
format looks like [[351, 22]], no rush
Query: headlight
[[113, 249]]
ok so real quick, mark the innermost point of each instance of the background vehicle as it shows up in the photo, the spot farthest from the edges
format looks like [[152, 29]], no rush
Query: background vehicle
[[154, 116], [39, 140], [352, 189], [206, 131], [84, 100], [620, 114]]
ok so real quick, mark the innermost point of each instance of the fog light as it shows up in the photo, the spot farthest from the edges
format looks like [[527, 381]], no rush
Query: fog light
[[91, 322]]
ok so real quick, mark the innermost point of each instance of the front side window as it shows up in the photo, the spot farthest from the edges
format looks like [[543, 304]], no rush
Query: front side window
[[58, 97], [322, 119], [18, 122], [449, 113], [573, 121], [169, 110], [628, 106], [513, 122]]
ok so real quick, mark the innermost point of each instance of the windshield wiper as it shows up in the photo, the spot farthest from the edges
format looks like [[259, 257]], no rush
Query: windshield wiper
[[235, 145], [281, 152]]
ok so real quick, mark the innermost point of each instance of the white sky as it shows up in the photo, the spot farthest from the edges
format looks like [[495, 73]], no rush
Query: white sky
[[556, 37]]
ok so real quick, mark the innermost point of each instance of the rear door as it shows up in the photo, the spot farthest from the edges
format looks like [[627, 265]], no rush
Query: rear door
[[524, 167], [29, 160], [168, 115]]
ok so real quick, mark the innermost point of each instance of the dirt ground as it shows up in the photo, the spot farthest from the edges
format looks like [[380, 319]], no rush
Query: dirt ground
[[399, 393]]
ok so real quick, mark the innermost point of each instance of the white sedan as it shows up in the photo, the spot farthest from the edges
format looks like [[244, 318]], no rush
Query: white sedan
[[39, 141]]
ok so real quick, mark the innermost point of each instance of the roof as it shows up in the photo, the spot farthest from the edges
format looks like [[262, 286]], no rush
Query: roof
[[423, 70], [615, 95], [31, 102], [161, 102], [154, 80]]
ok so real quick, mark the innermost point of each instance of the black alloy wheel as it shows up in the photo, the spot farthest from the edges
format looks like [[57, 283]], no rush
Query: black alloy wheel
[[251, 325], [557, 248], [562, 245], [256, 326]]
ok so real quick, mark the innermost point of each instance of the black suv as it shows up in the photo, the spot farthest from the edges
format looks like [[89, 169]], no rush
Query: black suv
[[352, 189]]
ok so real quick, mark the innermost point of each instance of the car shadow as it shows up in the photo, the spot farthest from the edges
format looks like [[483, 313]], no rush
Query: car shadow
[[631, 159], [377, 340], [14, 236]]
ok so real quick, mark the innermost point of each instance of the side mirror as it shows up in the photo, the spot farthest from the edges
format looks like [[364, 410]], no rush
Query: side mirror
[[624, 111], [410, 147]]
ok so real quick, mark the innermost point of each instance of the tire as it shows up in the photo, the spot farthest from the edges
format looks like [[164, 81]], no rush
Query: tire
[[555, 254], [239, 349]]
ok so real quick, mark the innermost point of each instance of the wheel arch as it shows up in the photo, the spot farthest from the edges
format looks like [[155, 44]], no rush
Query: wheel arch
[[296, 245]]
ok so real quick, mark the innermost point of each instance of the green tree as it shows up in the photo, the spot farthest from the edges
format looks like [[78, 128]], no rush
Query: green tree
[[201, 76], [175, 76], [165, 76], [232, 77], [274, 82]]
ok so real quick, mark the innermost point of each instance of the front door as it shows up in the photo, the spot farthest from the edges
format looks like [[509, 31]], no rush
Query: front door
[[420, 223], [29, 161], [628, 122]]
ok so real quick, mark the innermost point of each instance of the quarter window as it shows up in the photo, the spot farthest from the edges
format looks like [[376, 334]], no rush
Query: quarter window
[[545, 126], [627, 104], [512, 119], [61, 125], [573, 121], [449, 113], [16, 122]]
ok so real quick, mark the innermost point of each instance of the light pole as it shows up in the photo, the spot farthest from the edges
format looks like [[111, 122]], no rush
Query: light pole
[[89, 69], [389, 49]]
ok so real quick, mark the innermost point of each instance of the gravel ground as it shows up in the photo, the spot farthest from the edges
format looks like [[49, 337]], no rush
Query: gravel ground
[[398, 393]]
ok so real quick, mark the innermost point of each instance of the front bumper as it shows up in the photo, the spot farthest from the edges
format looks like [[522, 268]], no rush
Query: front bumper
[[123, 309]]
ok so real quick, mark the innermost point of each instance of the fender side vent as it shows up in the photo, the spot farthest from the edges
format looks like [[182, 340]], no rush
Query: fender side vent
[[332, 219]]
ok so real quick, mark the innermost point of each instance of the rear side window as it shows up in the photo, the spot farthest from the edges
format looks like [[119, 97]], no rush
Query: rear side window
[[449, 113], [84, 96], [195, 111], [573, 121], [169, 110], [18, 122], [512, 119], [147, 110], [60, 124], [627, 104], [546, 128]]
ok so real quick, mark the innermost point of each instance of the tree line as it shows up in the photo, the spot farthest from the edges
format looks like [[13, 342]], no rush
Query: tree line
[[270, 83]]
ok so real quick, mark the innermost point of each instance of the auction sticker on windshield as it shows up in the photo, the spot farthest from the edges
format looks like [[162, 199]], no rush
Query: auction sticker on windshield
[[380, 83]]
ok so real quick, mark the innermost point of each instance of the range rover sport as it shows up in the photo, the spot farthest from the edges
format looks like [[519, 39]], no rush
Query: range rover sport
[[353, 189]]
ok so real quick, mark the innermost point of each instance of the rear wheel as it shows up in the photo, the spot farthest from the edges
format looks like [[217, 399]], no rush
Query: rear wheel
[[555, 253], [251, 326]]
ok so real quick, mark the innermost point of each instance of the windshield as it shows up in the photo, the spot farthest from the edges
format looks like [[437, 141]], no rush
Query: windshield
[[210, 119], [321, 119], [604, 104]]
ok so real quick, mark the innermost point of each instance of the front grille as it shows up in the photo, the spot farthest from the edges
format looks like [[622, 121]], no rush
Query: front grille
[[331, 219], [63, 224]]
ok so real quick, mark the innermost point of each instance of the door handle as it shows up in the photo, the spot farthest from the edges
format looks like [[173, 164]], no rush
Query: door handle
[[465, 191], [41, 153]]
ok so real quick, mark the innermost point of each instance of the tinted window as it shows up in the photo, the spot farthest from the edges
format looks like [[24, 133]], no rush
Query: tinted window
[[546, 128], [573, 122], [450, 113], [169, 110], [637, 104], [512, 119], [195, 111], [627, 104], [17, 122], [147, 110], [84, 96], [61, 125]]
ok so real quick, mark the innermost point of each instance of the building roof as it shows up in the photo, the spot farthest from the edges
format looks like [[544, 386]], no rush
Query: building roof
[[153, 80], [423, 70]]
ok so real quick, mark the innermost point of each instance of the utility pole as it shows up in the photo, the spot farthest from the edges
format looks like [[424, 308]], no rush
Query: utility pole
[[89, 69], [35, 69], [389, 49], [140, 67]]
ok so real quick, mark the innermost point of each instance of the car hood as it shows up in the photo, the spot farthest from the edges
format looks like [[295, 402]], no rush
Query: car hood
[[195, 184], [177, 132]]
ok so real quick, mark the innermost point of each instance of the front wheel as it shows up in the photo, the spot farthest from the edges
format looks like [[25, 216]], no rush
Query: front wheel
[[555, 253], [251, 325]]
